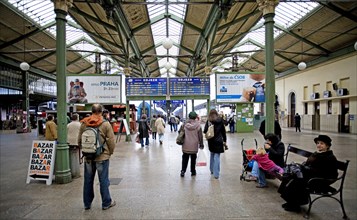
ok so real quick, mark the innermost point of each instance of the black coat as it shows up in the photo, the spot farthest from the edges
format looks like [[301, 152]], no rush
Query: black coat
[[144, 128], [276, 153], [293, 189], [215, 144]]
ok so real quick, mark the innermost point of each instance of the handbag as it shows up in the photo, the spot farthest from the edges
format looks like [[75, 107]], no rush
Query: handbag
[[201, 159], [180, 139], [210, 131]]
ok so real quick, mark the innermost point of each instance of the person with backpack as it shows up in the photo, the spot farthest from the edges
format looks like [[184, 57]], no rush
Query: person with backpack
[[97, 134], [173, 122]]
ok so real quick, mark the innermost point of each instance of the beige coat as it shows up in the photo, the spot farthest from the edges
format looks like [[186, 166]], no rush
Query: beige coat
[[51, 131], [72, 133], [160, 125]]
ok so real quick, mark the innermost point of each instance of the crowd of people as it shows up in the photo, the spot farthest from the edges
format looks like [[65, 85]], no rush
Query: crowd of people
[[268, 160]]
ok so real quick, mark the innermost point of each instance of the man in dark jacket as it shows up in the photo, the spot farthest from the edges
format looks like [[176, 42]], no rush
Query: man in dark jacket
[[193, 140], [277, 129]]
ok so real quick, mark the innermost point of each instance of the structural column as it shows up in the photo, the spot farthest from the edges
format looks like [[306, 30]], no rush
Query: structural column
[[63, 172], [268, 8]]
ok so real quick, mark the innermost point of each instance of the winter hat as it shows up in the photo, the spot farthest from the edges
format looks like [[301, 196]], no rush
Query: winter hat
[[324, 138], [192, 115]]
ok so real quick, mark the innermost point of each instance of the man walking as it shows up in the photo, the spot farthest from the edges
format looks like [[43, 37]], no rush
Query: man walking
[[297, 120], [100, 162]]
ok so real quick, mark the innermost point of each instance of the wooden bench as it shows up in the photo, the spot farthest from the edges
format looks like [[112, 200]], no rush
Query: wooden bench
[[332, 192]]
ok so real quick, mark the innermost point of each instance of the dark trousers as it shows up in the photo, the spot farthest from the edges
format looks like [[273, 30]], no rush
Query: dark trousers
[[154, 135], [185, 158], [297, 128]]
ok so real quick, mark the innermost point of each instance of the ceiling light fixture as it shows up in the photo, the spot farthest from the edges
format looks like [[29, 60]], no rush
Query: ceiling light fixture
[[168, 65], [167, 43], [302, 65]]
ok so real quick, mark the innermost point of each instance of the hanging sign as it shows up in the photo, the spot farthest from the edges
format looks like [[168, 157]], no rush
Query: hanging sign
[[42, 161]]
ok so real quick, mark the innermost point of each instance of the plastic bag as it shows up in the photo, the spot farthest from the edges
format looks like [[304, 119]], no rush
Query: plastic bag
[[201, 159], [137, 139]]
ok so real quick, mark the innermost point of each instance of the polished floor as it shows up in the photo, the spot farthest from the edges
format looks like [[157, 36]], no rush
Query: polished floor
[[146, 183]]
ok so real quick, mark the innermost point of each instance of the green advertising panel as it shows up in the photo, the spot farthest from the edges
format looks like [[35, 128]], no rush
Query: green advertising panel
[[245, 117]]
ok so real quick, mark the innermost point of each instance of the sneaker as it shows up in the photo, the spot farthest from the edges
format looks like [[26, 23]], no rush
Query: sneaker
[[86, 208], [193, 173], [262, 186], [113, 203], [251, 178]]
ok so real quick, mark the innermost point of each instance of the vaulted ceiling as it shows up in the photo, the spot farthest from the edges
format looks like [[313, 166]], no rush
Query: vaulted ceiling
[[204, 32]]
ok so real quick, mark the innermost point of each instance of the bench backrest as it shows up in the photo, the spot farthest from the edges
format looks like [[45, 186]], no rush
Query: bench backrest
[[340, 164]]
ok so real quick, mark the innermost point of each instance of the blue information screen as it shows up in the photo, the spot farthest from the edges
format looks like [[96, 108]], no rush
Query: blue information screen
[[189, 86], [146, 86]]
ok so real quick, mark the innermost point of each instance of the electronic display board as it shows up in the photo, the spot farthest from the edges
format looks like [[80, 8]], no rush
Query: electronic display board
[[146, 86], [189, 86]]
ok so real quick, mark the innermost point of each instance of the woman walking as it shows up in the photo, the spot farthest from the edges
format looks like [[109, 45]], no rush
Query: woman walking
[[216, 143], [160, 126]]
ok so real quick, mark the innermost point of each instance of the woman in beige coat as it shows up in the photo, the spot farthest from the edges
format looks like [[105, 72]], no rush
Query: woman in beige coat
[[160, 125]]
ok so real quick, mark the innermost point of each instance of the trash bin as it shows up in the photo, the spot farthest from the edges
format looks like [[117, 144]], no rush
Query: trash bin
[[74, 161]]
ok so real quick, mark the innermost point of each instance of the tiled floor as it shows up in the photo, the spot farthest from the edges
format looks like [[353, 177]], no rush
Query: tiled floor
[[146, 184]]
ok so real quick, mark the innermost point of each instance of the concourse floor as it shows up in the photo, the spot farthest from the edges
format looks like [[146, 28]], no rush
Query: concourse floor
[[146, 183]]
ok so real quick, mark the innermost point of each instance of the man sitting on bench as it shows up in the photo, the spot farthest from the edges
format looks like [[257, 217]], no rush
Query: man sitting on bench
[[322, 164]]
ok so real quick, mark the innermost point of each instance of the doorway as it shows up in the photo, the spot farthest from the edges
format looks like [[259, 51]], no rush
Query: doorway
[[344, 120], [292, 109], [316, 117]]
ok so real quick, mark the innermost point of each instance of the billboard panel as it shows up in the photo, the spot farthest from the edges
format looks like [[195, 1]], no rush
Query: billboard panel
[[93, 89], [240, 87]]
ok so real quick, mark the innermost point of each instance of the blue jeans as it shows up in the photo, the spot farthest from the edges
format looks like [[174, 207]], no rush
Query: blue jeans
[[258, 173], [215, 164], [146, 141], [90, 169], [173, 127], [231, 127]]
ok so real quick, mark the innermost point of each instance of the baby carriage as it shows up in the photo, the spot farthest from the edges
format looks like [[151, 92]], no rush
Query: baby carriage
[[247, 156]]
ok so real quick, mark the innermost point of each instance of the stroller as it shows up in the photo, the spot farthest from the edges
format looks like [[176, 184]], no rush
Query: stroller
[[247, 156]]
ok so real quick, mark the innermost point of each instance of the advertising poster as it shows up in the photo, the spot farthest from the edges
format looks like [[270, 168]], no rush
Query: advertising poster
[[240, 87], [42, 161], [93, 89]]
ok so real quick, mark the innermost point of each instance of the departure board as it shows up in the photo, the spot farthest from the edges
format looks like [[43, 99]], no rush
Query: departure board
[[189, 86], [146, 86]]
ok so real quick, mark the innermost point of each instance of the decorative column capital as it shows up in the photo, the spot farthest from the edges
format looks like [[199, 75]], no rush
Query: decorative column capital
[[127, 71], [63, 4], [208, 70], [267, 6]]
